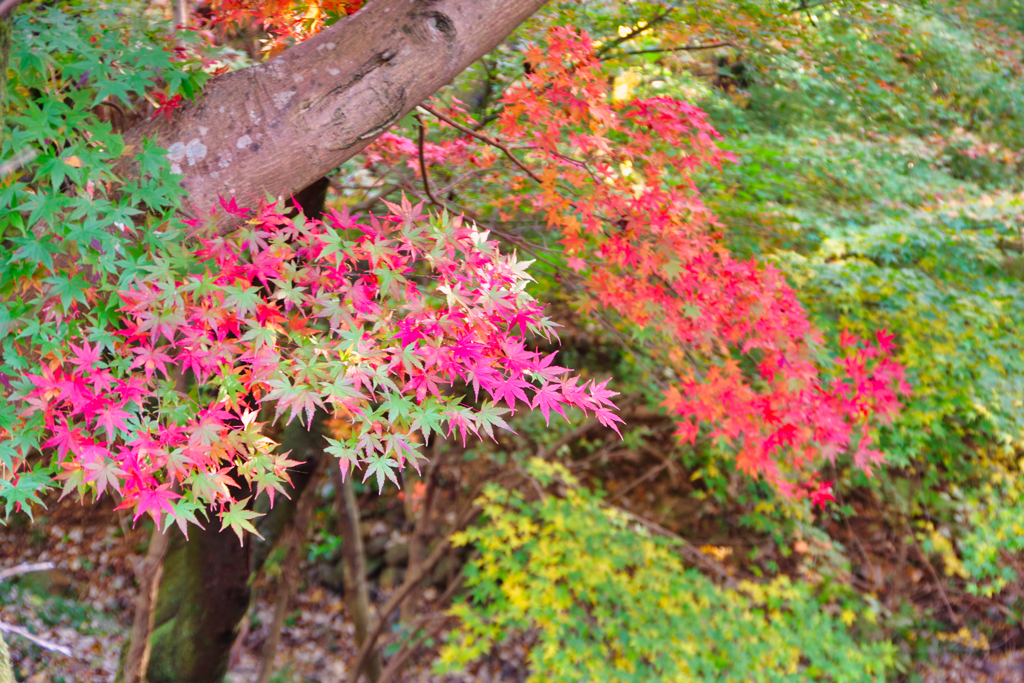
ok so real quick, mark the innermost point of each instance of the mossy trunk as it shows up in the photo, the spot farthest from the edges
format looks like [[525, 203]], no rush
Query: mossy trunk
[[204, 592], [203, 597]]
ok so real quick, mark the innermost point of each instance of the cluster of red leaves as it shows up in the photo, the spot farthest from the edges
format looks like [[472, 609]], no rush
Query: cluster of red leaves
[[617, 185], [285, 22], [386, 322]]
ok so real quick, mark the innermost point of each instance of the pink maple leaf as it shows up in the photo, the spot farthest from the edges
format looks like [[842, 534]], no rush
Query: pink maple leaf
[[548, 398], [154, 501], [84, 356], [151, 359]]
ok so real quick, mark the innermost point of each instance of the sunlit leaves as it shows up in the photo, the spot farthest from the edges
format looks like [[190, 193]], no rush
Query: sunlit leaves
[[238, 519]]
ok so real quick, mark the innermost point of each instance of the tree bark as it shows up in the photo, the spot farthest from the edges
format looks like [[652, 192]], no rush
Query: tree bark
[[277, 127], [203, 597]]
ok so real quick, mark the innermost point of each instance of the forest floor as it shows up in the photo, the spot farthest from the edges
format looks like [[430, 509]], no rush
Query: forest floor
[[85, 603]]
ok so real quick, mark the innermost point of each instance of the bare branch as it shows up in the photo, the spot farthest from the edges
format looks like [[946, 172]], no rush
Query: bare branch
[[680, 48], [25, 569], [482, 138], [41, 642]]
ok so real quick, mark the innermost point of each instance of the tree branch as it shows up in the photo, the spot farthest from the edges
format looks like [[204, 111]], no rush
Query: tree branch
[[25, 569], [41, 642], [483, 138], [633, 33], [149, 575], [680, 48], [7, 6], [277, 127]]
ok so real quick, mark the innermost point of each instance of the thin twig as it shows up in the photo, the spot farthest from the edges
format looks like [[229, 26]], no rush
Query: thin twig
[[423, 162], [687, 549], [22, 158], [25, 569], [680, 48], [45, 644], [483, 138], [633, 33], [650, 474]]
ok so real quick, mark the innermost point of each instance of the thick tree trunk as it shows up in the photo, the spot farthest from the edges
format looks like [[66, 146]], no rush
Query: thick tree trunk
[[277, 127], [203, 596]]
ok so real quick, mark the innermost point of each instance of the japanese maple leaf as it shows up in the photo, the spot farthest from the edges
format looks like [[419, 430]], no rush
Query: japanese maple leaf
[[65, 438], [489, 417], [154, 501], [517, 358], [151, 359], [422, 383], [545, 370], [165, 105], [822, 494], [84, 356], [104, 472], [548, 398], [601, 395], [381, 466], [510, 389], [885, 338], [111, 418], [295, 399], [609, 419], [237, 517]]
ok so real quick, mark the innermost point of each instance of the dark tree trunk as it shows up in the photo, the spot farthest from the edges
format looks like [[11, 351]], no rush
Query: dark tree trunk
[[203, 597]]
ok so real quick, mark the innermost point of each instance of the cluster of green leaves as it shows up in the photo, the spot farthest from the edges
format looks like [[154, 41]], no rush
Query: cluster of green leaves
[[607, 601], [73, 229], [939, 280], [995, 535]]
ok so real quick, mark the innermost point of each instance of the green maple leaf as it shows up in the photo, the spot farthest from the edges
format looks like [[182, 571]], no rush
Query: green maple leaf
[[69, 289], [24, 493], [185, 514], [381, 466], [427, 418], [35, 251], [489, 416], [238, 519], [344, 453]]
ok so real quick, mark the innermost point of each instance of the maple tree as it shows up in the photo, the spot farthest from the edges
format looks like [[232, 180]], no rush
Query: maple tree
[[267, 313]]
